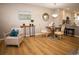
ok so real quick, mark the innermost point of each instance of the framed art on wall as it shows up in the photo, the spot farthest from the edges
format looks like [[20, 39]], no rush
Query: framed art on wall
[[24, 14]]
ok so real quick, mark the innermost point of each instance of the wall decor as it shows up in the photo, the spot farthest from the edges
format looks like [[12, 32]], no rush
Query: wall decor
[[24, 14], [45, 16]]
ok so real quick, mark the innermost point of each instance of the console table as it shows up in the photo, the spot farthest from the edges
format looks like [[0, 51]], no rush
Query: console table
[[69, 31], [51, 29], [31, 29]]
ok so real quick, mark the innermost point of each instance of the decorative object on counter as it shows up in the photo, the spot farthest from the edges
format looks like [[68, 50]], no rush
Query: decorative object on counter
[[32, 22], [67, 20]]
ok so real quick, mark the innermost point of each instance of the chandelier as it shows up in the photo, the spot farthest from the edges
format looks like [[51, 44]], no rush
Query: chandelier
[[55, 12]]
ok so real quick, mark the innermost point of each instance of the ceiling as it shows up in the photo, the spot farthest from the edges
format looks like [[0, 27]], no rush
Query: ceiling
[[66, 6], [57, 5]]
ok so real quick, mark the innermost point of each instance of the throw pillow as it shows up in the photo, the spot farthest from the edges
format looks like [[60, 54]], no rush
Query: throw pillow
[[14, 32]]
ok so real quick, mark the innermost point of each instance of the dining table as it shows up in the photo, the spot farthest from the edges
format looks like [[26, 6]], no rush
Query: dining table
[[52, 30]]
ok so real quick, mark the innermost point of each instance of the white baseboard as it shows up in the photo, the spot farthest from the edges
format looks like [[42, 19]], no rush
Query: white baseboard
[[38, 33], [76, 35], [35, 34], [1, 39], [27, 35]]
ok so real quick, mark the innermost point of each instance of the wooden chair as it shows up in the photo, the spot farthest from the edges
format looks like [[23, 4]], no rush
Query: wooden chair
[[61, 32]]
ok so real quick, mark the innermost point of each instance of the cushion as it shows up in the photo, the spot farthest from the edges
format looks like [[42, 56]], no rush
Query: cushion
[[59, 33], [14, 32], [11, 37]]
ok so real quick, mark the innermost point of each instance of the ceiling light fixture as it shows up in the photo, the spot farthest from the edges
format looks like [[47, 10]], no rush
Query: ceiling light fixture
[[55, 12]]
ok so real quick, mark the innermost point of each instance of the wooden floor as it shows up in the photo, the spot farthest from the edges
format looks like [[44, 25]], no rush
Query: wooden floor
[[42, 46]]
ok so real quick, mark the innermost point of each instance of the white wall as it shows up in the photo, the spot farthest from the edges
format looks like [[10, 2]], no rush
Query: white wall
[[1, 32], [70, 14], [10, 18]]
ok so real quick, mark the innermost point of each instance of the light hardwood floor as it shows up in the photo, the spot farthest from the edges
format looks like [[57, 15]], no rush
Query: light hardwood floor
[[42, 46]]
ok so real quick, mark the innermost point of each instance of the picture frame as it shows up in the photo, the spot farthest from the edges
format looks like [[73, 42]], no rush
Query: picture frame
[[24, 14]]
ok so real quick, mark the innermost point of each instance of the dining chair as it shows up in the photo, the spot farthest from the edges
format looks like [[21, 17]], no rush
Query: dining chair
[[61, 32]]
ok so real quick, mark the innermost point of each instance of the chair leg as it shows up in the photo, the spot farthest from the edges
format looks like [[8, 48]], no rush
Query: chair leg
[[46, 35], [42, 35], [18, 45], [60, 37]]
